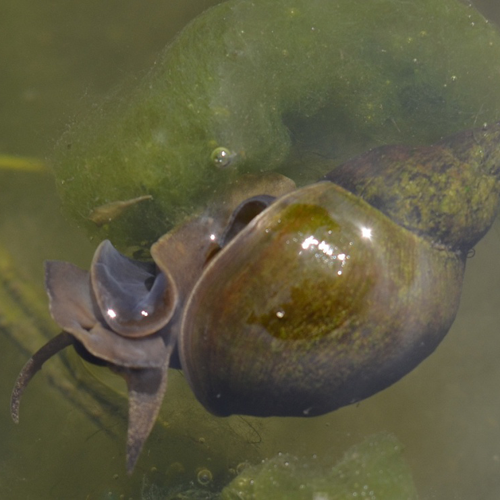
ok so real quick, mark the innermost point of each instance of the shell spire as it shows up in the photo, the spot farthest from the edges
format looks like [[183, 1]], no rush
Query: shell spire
[[449, 191]]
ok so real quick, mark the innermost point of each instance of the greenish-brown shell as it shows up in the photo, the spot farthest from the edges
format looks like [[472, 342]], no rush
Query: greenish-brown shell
[[324, 299]]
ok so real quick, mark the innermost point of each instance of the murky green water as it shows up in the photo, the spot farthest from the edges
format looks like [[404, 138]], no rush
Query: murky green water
[[56, 60]]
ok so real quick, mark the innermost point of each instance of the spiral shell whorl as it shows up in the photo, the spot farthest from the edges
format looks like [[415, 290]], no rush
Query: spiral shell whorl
[[448, 192]]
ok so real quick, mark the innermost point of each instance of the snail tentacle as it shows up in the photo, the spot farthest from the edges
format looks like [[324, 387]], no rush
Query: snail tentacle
[[146, 389], [33, 365]]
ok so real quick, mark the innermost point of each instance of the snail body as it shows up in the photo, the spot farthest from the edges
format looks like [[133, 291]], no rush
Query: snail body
[[279, 301]]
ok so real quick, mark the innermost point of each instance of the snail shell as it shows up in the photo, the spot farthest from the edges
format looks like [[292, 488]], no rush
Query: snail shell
[[320, 302]]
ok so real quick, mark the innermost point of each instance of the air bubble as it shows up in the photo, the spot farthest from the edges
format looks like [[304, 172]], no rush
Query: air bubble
[[204, 476], [221, 157]]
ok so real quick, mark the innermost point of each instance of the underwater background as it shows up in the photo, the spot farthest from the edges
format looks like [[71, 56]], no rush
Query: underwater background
[[57, 61]]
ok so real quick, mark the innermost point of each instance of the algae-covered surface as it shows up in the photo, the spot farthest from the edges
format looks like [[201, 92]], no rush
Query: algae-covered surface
[[58, 60], [276, 86], [372, 469]]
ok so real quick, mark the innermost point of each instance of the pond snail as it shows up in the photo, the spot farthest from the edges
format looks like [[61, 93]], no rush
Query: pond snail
[[285, 301]]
